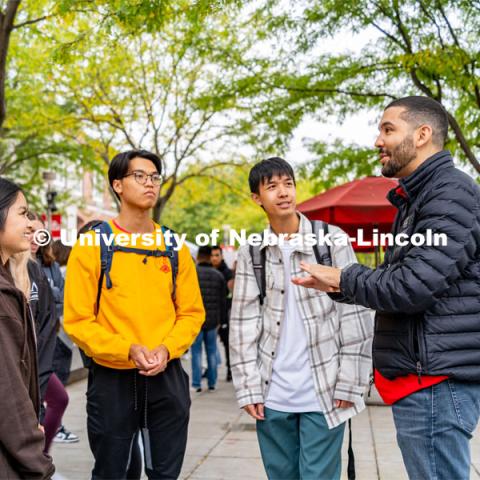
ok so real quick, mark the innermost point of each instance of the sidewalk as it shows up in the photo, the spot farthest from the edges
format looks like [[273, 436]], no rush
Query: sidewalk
[[222, 442]]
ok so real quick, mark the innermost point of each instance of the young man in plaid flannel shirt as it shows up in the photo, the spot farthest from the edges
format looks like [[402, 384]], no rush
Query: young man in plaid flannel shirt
[[300, 362]]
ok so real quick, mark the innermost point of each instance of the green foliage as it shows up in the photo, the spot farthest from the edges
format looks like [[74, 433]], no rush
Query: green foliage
[[413, 47], [221, 198], [338, 163], [198, 82]]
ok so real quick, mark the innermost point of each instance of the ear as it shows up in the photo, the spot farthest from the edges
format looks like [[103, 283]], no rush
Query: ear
[[117, 186], [256, 199], [424, 135]]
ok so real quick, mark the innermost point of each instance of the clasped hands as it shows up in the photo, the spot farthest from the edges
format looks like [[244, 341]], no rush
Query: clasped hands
[[326, 279], [149, 362]]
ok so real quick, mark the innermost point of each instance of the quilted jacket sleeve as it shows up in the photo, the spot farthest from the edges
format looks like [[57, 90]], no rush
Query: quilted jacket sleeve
[[425, 272]]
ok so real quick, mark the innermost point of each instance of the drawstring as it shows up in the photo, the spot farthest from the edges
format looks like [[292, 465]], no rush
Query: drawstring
[[145, 425], [146, 434], [135, 389]]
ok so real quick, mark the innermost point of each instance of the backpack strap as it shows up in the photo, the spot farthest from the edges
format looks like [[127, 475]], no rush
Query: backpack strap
[[258, 260], [323, 255], [107, 251], [106, 258], [172, 252], [351, 475]]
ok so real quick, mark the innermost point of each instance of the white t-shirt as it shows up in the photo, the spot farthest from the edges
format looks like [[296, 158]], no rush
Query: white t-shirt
[[291, 387]]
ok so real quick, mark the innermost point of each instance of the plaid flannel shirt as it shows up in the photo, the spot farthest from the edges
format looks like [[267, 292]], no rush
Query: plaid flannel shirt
[[339, 336]]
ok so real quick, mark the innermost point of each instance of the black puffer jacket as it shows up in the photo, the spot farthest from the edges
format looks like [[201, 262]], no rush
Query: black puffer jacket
[[214, 294], [427, 298]]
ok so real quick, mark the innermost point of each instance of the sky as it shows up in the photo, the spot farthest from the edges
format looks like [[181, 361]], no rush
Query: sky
[[360, 128]]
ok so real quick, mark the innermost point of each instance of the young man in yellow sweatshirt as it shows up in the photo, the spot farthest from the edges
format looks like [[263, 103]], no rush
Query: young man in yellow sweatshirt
[[139, 332]]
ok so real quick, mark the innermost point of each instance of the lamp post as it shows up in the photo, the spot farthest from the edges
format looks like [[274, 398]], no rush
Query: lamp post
[[49, 178], [226, 234]]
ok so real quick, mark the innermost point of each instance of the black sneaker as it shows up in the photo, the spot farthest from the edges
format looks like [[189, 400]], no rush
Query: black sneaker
[[64, 436], [211, 389]]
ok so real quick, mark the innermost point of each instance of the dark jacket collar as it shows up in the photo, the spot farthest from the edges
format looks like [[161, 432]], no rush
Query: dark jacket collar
[[410, 186]]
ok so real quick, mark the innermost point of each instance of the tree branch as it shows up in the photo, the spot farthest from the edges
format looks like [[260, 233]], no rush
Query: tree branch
[[31, 22], [463, 142]]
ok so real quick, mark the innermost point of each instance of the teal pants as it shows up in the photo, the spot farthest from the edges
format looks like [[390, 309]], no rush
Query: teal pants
[[300, 446]]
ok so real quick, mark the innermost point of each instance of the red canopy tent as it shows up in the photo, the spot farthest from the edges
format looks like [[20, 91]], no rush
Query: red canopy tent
[[361, 204]]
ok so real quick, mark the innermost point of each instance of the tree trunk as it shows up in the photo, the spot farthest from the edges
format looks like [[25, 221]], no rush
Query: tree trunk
[[6, 25], [158, 208]]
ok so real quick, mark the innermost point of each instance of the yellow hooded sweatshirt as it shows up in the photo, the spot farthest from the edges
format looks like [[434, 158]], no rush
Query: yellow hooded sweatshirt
[[137, 309]]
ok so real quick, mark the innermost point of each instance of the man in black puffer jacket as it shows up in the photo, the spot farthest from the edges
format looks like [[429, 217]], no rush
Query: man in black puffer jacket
[[214, 294], [426, 347]]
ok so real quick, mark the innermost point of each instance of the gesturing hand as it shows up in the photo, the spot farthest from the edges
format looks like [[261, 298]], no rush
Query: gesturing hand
[[326, 279]]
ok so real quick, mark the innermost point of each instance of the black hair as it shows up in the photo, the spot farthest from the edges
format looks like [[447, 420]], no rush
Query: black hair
[[264, 171], [424, 110], [217, 247], [204, 252], [8, 195], [61, 252], [119, 165]]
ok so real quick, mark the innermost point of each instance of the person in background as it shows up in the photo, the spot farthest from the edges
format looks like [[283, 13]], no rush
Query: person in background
[[219, 263], [61, 253], [56, 396], [22, 440], [213, 288]]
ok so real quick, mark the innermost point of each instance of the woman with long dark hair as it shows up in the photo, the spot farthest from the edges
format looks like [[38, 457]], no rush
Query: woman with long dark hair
[[21, 438]]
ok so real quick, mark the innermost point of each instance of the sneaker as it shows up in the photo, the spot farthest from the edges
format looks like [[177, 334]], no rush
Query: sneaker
[[211, 389], [64, 436]]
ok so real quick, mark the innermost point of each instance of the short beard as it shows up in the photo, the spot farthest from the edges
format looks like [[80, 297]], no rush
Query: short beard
[[400, 157]]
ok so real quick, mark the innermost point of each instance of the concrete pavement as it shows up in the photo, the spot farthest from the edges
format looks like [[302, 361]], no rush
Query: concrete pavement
[[222, 443]]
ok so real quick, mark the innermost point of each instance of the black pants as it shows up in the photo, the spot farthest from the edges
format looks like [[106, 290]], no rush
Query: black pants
[[122, 402], [224, 334]]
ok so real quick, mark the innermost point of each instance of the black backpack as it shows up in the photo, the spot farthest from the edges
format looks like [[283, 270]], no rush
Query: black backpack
[[324, 257]]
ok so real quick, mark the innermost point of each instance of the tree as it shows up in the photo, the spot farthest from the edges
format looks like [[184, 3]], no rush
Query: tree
[[157, 91], [42, 129], [416, 47]]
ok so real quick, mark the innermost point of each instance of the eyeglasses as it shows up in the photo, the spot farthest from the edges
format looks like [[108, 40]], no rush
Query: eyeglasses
[[141, 177]]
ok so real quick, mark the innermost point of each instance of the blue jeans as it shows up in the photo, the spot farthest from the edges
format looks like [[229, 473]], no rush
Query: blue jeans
[[434, 428], [209, 338], [298, 446]]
